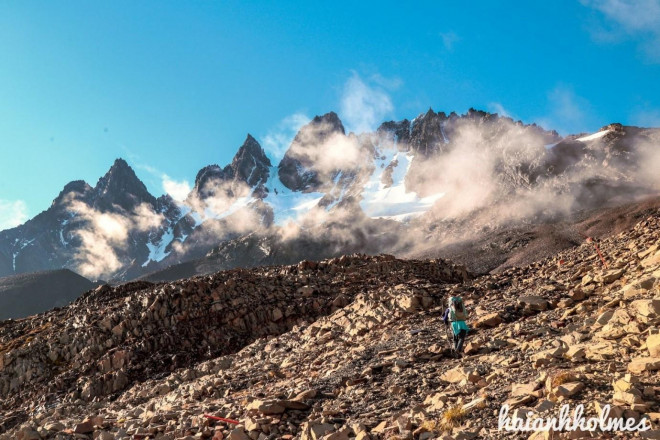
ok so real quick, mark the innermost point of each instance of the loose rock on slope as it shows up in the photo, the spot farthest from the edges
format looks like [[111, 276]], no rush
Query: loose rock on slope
[[361, 352]]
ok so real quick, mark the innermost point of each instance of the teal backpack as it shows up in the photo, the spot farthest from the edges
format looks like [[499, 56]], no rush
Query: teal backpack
[[457, 310]]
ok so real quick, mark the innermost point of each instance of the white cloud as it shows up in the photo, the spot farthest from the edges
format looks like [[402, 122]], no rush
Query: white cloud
[[364, 106], [12, 213], [105, 237], [388, 83], [277, 140], [326, 152], [630, 18], [449, 39], [177, 189]]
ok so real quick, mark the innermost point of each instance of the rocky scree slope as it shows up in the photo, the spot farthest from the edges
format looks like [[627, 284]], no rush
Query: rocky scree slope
[[374, 365], [113, 338]]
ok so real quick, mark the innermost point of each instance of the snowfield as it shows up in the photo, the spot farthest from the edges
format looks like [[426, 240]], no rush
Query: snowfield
[[394, 202]]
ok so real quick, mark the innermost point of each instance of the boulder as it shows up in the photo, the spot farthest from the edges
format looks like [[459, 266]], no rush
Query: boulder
[[604, 317], [294, 404], [458, 374], [652, 260], [84, 427], [630, 397], [646, 310], [642, 364], [550, 356], [315, 430], [435, 401], [238, 434], [569, 389], [576, 353], [577, 295], [653, 345], [54, 426], [523, 389], [27, 433], [601, 351], [488, 321], [610, 276], [535, 303], [266, 407]]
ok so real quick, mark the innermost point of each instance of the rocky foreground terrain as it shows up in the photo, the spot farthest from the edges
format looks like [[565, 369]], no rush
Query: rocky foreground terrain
[[351, 347]]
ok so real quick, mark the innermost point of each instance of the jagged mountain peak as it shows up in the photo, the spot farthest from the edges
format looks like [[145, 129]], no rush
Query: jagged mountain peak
[[330, 118], [250, 166], [399, 129], [427, 133], [250, 148], [119, 164], [430, 114], [76, 188], [204, 179], [381, 182], [121, 187], [297, 170], [251, 145]]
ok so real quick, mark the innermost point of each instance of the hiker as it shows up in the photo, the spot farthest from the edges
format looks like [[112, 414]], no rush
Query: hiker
[[456, 314]]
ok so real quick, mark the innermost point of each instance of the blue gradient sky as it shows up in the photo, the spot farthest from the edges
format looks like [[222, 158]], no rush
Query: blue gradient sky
[[173, 86]]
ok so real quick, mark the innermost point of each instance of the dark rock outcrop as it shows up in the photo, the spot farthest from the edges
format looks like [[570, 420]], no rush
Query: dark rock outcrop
[[248, 171], [297, 170]]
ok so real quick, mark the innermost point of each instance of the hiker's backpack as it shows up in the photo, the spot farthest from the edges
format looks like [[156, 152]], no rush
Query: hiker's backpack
[[457, 310]]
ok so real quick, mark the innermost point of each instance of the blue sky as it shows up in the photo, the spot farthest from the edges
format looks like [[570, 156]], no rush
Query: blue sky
[[173, 86]]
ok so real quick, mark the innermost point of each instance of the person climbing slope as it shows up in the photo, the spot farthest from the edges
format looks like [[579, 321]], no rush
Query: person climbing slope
[[456, 315]]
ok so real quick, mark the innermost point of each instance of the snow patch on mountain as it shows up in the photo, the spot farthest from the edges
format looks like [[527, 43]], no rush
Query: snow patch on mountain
[[594, 136], [394, 202], [157, 251], [63, 225], [23, 245], [336, 189], [442, 131], [288, 205], [239, 203]]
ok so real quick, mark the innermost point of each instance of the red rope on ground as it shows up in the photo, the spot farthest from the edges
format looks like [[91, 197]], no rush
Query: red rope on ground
[[222, 419], [600, 254]]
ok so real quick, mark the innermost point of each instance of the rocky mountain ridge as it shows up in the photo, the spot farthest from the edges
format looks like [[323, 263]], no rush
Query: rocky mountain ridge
[[410, 188], [347, 348]]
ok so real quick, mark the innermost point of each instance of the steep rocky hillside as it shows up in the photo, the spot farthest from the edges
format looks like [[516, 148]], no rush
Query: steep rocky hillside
[[350, 347], [112, 338]]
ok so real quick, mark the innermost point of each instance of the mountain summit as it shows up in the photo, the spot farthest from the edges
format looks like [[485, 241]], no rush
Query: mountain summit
[[120, 187], [303, 162], [413, 187]]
